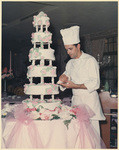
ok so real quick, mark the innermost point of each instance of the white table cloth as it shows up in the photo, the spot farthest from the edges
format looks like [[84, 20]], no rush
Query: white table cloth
[[53, 134]]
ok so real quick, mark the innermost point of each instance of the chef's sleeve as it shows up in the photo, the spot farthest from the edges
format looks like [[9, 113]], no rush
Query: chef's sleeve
[[93, 83]]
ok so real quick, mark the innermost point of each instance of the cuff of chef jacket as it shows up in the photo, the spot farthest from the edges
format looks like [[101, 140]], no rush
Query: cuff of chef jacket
[[62, 88], [92, 85]]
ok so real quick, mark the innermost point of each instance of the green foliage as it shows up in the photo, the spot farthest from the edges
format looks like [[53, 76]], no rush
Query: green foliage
[[55, 117], [67, 122]]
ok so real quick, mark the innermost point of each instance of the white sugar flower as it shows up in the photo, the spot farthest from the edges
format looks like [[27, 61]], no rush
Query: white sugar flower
[[65, 115], [34, 115], [30, 105], [7, 107]]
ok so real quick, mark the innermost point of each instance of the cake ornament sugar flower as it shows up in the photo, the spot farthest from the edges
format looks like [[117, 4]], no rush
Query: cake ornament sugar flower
[[65, 115], [36, 53], [30, 105], [49, 91], [32, 35], [39, 22], [43, 72], [34, 115], [53, 72]]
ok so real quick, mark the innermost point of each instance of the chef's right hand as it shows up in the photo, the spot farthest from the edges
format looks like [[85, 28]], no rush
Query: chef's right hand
[[63, 78]]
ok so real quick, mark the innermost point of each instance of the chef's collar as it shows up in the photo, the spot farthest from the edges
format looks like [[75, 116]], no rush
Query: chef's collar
[[82, 56]]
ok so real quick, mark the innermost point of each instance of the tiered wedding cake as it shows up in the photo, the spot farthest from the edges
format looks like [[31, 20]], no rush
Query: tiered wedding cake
[[42, 53]]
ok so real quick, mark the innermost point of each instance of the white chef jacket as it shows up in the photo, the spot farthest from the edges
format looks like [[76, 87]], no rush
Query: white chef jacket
[[85, 70]]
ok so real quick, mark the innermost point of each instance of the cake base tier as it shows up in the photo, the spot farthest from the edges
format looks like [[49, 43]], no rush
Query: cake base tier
[[38, 104]]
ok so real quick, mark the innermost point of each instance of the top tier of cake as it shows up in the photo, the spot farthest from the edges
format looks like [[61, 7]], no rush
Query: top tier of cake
[[41, 19]]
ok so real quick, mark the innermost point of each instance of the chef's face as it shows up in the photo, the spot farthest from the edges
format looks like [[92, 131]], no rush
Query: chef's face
[[73, 51]]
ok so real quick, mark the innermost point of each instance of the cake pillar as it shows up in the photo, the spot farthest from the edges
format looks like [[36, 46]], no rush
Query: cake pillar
[[52, 97], [33, 62], [31, 80], [50, 62], [52, 80], [42, 46], [34, 45], [42, 97], [48, 45], [42, 79], [42, 62], [31, 97], [41, 28], [36, 28]]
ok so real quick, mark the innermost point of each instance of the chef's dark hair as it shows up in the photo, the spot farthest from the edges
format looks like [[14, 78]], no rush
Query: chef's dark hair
[[76, 44]]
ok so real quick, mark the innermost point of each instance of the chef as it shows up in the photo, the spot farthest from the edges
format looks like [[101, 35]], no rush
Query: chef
[[81, 75]]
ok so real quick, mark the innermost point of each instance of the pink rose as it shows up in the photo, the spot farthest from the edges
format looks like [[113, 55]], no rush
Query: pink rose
[[30, 55], [43, 72], [36, 53], [31, 49], [49, 91], [53, 72], [34, 102], [30, 67], [39, 22], [47, 23]]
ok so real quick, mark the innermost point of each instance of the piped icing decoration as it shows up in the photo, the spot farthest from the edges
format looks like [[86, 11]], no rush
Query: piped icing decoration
[[51, 89], [40, 53], [41, 19], [35, 53], [28, 85], [41, 37]]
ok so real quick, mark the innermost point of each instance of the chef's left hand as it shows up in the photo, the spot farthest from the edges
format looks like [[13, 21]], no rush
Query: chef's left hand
[[69, 84]]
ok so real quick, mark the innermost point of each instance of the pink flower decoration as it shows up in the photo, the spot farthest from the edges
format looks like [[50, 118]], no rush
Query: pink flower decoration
[[34, 102], [59, 110], [53, 72], [31, 50], [43, 72], [49, 91], [49, 38], [31, 67], [25, 88], [36, 53], [39, 22], [32, 35], [74, 110], [42, 57], [29, 55], [47, 23], [25, 105]]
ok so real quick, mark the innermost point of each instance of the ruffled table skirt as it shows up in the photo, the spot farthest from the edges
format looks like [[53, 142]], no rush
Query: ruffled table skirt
[[47, 134]]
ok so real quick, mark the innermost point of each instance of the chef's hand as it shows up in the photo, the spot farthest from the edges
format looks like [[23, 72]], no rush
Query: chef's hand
[[69, 84], [63, 78]]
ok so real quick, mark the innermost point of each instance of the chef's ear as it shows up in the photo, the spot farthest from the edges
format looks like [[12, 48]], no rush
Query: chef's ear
[[78, 46]]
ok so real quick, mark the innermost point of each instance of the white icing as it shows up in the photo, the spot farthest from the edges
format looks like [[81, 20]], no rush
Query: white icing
[[38, 71], [41, 37], [37, 103], [41, 19], [39, 53], [38, 89]]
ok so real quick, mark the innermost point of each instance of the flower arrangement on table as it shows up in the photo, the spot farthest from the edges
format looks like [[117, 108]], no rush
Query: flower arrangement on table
[[63, 112], [6, 73]]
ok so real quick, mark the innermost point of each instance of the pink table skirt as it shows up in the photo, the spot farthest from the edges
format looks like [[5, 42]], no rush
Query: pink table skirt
[[51, 134]]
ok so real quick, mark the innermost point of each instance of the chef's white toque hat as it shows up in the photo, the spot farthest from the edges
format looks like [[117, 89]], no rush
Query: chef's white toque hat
[[70, 35]]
